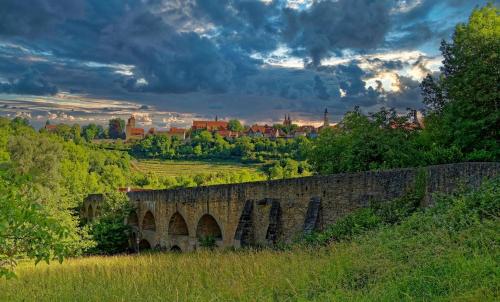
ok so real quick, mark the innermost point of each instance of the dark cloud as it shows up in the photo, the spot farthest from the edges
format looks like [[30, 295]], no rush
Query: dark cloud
[[330, 26], [29, 83], [36, 17]]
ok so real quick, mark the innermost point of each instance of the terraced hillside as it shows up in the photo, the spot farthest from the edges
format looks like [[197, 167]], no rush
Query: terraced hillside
[[190, 168]]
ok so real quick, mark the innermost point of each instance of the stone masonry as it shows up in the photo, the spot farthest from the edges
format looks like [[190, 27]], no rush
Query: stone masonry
[[263, 213]]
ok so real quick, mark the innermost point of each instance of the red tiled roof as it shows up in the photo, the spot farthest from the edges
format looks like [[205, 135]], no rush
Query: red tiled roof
[[137, 131], [174, 130], [51, 127], [210, 125], [258, 128], [227, 133]]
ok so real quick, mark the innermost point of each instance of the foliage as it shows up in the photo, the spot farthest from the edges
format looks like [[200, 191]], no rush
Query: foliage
[[116, 128], [49, 176], [465, 99], [360, 142], [235, 125], [109, 230], [208, 242], [27, 228], [92, 131], [205, 145]]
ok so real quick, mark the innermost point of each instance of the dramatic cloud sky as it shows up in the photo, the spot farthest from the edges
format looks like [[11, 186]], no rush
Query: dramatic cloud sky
[[170, 61]]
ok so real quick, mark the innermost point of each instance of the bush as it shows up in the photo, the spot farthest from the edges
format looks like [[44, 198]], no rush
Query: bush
[[208, 242]]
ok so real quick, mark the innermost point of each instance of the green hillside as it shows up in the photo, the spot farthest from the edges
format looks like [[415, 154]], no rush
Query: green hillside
[[175, 168], [446, 253]]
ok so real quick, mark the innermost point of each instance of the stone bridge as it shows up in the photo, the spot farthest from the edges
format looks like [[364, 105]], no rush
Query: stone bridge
[[263, 213]]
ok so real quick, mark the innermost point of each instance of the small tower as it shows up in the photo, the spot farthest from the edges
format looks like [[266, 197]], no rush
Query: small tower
[[130, 125], [326, 123], [216, 118]]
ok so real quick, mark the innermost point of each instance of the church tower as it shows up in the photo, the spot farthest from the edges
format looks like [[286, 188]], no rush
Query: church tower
[[287, 121], [326, 123]]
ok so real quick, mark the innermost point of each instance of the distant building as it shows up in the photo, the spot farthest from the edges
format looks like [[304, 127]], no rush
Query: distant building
[[210, 125], [228, 134], [51, 128], [263, 131], [306, 131], [179, 133], [131, 132]]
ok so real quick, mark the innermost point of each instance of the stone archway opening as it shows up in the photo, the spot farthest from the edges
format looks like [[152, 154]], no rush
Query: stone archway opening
[[133, 219], [148, 222], [177, 226], [176, 249], [208, 228], [144, 245]]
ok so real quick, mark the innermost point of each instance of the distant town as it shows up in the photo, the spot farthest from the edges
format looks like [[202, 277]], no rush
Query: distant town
[[227, 129], [128, 132]]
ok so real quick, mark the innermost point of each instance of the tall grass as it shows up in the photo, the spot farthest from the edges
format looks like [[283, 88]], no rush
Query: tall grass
[[447, 253]]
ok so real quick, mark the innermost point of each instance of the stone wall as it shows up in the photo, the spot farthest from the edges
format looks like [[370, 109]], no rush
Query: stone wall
[[263, 213]]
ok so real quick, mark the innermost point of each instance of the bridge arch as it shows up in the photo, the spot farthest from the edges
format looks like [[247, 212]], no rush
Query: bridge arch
[[144, 245], [208, 226], [148, 222], [177, 225], [176, 249]]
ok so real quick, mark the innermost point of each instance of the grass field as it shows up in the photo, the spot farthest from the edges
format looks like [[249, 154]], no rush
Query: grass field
[[190, 168], [447, 253]]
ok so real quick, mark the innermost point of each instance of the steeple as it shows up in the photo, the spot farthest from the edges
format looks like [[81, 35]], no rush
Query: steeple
[[216, 118], [326, 123]]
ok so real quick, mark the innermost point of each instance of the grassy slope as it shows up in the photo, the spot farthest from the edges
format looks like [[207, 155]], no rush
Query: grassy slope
[[189, 168], [447, 253]]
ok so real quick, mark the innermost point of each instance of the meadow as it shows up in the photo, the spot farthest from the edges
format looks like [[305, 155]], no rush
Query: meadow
[[174, 168], [449, 252]]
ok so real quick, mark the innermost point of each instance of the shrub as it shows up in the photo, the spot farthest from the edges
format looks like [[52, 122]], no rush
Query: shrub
[[208, 242]]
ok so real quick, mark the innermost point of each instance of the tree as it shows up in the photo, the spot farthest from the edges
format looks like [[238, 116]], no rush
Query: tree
[[91, 131], [465, 100], [116, 128], [109, 230], [235, 125], [27, 229]]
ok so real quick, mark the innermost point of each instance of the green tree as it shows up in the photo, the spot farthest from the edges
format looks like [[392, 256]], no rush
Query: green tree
[[116, 128], [91, 131], [465, 100], [235, 125], [27, 228], [109, 231]]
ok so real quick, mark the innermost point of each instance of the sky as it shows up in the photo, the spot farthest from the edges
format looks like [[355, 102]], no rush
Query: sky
[[172, 61]]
